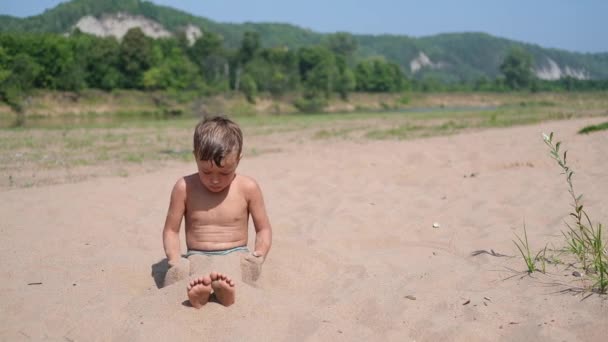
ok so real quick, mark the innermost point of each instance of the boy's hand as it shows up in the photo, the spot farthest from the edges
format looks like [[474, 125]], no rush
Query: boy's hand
[[251, 267], [175, 262], [255, 258]]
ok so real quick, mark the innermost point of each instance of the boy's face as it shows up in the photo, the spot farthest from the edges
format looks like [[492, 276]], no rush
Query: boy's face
[[217, 178]]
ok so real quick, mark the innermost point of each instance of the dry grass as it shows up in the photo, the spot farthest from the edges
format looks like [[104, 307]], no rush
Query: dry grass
[[75, 147]]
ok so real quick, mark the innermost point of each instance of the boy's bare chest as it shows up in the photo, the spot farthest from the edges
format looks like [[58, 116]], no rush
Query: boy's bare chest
[[225, 209]]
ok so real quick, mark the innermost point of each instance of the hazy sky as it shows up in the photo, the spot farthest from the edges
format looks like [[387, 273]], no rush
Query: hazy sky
[[576, 25]]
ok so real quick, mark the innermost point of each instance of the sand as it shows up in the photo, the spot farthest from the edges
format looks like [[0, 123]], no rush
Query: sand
[[355, 256]]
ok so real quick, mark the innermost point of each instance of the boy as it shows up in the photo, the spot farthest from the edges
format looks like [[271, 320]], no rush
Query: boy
[[216, 203]]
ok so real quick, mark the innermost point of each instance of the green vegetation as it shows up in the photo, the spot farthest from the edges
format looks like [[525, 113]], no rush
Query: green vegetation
[[444, 122], [183, 73], [593, 128], [112, 143], [472, 58], [584, 240], [81, 61], [255, 59], [517, 68], [524, 249]]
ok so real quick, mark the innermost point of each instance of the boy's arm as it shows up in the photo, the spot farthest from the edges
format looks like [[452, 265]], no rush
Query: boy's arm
[[257, 209], [177, 208]]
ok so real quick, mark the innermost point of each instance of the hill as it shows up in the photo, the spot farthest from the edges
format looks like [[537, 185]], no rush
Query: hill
[[447, 57]]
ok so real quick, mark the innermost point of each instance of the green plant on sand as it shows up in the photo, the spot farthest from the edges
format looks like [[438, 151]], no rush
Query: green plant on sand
[[584, 240], [524, 250], [594, 128]]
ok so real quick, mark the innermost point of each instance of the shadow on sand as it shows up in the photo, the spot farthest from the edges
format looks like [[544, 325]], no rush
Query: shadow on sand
[[159, 270]]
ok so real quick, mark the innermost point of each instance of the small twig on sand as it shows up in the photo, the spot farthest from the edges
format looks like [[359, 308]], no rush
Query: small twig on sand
[[491, 252]]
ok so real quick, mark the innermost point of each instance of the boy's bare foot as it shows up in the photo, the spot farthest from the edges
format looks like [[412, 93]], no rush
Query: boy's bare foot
[[223, 288], [199, 290]]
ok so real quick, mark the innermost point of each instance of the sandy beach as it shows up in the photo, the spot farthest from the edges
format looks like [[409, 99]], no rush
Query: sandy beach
[[355, 256]]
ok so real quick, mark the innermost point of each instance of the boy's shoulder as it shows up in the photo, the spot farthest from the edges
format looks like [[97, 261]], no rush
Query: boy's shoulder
[[193, 177], [184, 183], [247, 187], [245, 183]]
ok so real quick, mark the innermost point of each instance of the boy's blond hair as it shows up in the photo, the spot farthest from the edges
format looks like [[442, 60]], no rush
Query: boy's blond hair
[[216, 137]]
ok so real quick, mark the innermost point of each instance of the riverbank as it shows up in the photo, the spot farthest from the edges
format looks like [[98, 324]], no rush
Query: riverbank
[[44, 106]]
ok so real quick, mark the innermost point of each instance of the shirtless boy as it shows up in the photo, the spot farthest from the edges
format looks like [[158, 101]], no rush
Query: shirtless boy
[[216, 204]]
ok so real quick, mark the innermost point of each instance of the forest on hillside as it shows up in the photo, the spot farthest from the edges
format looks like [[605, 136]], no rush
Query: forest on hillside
[[80, 61], [35, 55], [464, 56]]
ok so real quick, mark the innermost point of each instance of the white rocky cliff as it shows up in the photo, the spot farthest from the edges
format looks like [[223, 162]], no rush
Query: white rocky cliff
[[552, 71], [423, 61], [117, 25]]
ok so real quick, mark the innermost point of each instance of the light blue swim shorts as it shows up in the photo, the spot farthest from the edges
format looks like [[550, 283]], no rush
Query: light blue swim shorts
[[220, 252]]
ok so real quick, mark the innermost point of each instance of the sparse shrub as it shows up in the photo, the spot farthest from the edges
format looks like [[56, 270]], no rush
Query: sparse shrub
[[311, 104], [249, 88], [242, 109], [524, 249], [583, 239], [404, 100]]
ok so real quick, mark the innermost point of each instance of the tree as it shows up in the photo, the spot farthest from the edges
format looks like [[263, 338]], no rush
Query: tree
[[248, 50], [59, 68], [175, 72], [209, 55], [249, 46], [274, 70], [517, 68], [342, 44], [346, 83], [347, 80], [102, 64], [17, 76], [318, 71], [135, 57], [377, 75], [249, 88]]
